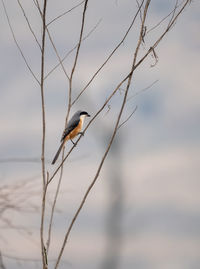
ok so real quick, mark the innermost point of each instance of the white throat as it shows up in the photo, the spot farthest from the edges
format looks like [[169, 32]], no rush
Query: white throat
[[82, 117]]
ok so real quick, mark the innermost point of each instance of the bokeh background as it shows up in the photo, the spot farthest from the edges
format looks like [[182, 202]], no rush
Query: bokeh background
[[144, 211]]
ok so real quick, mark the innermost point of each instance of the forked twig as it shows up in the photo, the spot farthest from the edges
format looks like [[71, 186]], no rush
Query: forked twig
[[69, 52]]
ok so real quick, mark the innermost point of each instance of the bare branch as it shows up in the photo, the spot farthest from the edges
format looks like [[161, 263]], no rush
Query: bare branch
[[43, 249]]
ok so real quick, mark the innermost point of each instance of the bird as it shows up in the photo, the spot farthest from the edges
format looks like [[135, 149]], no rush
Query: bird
[[73, 128]]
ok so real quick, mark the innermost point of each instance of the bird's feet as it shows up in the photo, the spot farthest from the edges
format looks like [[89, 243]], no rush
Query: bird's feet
[[81, 133], [73, 142]]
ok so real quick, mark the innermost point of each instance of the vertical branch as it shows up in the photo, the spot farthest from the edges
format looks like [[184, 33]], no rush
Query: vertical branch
[[43, 249], [75, 60], [42, 95]]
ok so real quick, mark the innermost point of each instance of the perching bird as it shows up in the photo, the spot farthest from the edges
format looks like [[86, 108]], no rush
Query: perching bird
[[73, 128]]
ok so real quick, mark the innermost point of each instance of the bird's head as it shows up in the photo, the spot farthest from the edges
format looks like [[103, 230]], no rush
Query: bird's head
[[84, 114]]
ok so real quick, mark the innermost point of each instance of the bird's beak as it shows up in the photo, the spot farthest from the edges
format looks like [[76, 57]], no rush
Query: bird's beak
[[88, 115]]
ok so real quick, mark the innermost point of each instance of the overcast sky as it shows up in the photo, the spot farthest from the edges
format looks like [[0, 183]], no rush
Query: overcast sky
[[152, 173]]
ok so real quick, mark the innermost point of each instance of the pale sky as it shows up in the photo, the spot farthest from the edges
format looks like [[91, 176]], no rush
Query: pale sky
[[152, 173]]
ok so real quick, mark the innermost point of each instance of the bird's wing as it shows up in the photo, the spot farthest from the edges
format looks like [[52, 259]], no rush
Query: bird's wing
[[70, 127]]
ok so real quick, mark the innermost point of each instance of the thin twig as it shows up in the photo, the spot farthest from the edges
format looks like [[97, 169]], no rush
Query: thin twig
[[76, 56], [17, 44], [142, 90], [161, 21], [58, 56], [29, 25], [173, 13], [64, 13], [127, 118], [23, 259]]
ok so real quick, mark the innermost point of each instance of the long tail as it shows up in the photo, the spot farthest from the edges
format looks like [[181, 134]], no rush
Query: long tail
[[57, 153]]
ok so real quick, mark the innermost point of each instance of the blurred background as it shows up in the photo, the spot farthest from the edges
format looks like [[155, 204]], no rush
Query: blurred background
[[144, 210]]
